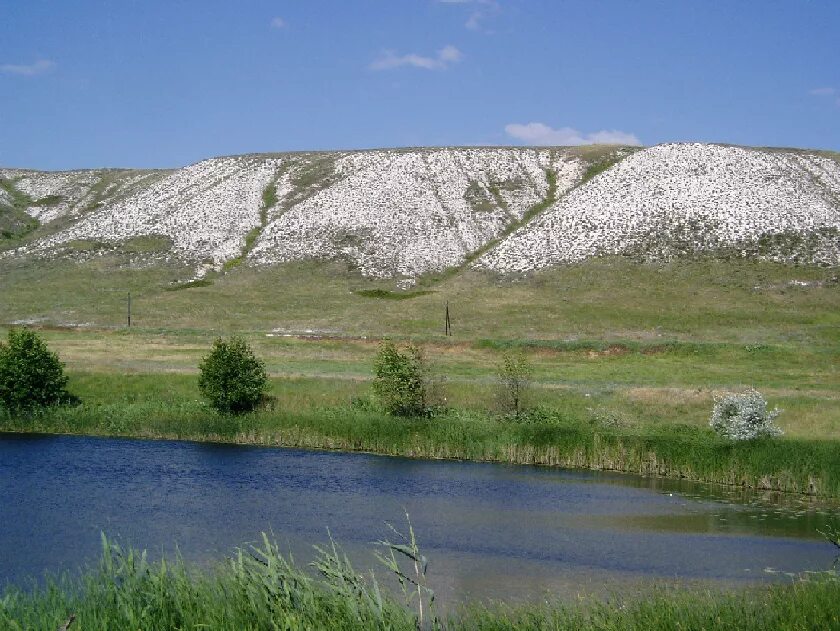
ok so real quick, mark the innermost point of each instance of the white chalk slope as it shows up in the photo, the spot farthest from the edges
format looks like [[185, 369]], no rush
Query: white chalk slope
[[70, 194], [403, 213], [678, 199], [394, 213], [205, 209]]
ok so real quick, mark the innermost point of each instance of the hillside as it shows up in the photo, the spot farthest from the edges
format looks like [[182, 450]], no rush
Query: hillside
[[676, 200], [404, 213]]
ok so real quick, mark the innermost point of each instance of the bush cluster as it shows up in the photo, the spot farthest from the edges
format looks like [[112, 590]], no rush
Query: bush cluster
[[514, 375], [231, 377], [400, 380], [31, 376], [744, 416], [234, 381]]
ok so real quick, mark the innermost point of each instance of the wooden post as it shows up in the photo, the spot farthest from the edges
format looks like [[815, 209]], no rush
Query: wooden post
[[448, 322], [129, 310]]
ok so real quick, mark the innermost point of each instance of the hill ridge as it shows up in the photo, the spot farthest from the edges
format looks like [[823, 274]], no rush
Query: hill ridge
[[403, 213]]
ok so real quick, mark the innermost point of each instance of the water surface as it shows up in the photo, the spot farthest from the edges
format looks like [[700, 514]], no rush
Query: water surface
[[490, 531]]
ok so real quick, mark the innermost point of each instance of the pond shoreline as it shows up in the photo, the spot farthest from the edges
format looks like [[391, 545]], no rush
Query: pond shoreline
[[654, 456], [495, 534]]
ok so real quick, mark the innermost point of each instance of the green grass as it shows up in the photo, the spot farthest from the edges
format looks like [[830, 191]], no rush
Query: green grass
[[707, 301], [147, 244], [390, 295], [49, 200], [648, 345], [86, 245], [259, 588], [15, 222], [199, 282], [303, 413], [269, 199], [269, 196]]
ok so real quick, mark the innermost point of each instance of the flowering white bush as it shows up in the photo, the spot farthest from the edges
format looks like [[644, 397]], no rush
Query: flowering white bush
[[744, 416]]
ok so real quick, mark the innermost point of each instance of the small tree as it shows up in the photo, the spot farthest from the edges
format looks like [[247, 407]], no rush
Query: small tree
[[744, 416], [232, 378], [514, 374], [400, 380], [31, 376]]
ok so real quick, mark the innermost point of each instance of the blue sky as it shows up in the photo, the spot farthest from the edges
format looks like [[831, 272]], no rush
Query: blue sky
[[166, 83]]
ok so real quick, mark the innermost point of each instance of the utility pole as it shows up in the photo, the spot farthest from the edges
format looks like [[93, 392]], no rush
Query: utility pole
[[120, 290], [448, 322]]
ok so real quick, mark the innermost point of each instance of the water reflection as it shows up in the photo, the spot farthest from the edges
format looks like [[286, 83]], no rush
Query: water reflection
[[491, 531]]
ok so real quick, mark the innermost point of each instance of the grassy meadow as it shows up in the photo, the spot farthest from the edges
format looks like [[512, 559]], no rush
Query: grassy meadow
[[627, 359]]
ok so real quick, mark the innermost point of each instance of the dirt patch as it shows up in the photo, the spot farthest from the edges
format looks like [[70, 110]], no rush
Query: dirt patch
[[610, 351], [673, 395]]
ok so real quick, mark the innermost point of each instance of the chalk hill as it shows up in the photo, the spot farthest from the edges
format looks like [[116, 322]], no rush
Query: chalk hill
[[405, 212]]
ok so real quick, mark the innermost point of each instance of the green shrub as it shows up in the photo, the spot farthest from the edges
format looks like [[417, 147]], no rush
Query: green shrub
[[514, 374], [232, 379], [400, 380], [30, 374]]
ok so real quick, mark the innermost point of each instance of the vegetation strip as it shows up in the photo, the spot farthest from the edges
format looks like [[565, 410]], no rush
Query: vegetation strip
[[259, 588], [15, 223], [676, 451]]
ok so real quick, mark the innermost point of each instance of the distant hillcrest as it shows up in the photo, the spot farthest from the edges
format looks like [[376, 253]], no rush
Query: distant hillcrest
[[401, 213]]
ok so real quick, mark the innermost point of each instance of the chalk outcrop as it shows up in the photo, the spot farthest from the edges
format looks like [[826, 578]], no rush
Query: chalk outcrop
[[685, 199], [406, 212]]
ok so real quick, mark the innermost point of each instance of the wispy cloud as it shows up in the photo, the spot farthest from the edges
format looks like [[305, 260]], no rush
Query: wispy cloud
[[278, 22], [541, 134], [389, 60], [28, 70], [833, 93], [480, 10]]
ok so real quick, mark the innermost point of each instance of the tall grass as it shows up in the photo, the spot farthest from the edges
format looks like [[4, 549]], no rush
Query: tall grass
[[259, 588], [543, 437]]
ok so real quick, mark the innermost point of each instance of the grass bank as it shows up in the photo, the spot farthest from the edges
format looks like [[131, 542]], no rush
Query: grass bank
[[547, 437], [258, 588]]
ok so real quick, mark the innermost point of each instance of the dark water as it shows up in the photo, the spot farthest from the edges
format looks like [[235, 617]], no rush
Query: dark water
[[490, 531]]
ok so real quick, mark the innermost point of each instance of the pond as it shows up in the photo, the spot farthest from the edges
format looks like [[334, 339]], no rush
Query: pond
[[490, 531]]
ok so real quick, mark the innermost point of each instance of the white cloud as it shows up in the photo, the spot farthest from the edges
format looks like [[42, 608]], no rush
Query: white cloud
[[449, 55], [445, 57], [278, 23], [541, 134], [834, 93], [28, 70], [481, 10]]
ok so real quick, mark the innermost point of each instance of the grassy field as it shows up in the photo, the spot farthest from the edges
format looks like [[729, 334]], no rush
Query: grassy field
[[704, 301], [258, 588], [629, 352]]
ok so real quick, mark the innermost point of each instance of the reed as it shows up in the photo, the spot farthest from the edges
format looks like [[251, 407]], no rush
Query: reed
[[259, 588], [545, 437]]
